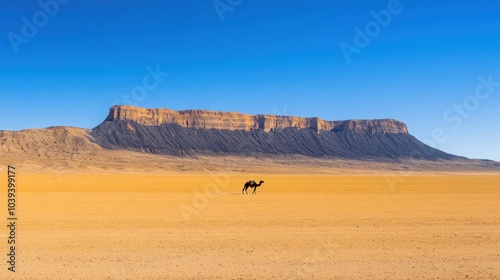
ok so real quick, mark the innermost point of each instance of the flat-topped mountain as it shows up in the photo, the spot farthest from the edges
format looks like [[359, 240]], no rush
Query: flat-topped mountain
[[191, 132], [236, 121], [163, 139]]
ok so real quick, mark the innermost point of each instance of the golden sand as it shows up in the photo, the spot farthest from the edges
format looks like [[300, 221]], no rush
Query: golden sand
[[297, 226]]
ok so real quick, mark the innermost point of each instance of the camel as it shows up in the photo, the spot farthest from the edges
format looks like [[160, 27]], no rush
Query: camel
[[251, 184]]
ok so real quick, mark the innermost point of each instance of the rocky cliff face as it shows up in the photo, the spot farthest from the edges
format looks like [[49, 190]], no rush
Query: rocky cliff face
[[198, 132], [236, 121], [132, 135], [193, 132]]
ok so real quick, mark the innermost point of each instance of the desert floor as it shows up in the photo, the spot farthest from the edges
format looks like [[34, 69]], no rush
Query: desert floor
[[186, 226]]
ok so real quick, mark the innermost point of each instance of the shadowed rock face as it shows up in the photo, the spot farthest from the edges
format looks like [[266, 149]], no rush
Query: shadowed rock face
[[236, 121], [164, 131], [377, 144]]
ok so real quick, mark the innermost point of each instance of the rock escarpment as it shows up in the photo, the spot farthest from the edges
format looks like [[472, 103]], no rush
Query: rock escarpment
[[236, 121], [141, 140], [192, 132]]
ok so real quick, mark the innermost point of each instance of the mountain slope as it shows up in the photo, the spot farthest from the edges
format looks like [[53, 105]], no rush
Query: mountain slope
[[53, 142], [163, 131], [134, 139]]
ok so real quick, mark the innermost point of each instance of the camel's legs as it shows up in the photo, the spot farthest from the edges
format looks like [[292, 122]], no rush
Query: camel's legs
[[243, 190], [246, 190], [254, 190]]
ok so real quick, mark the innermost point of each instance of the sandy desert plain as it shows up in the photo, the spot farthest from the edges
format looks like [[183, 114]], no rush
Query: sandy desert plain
[[198, 225]]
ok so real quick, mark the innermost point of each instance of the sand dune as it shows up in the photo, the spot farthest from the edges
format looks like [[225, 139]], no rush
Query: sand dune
[[188, 226]]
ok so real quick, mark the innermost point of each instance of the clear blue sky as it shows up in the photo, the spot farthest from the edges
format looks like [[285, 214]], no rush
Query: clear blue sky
[[260, 57]]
